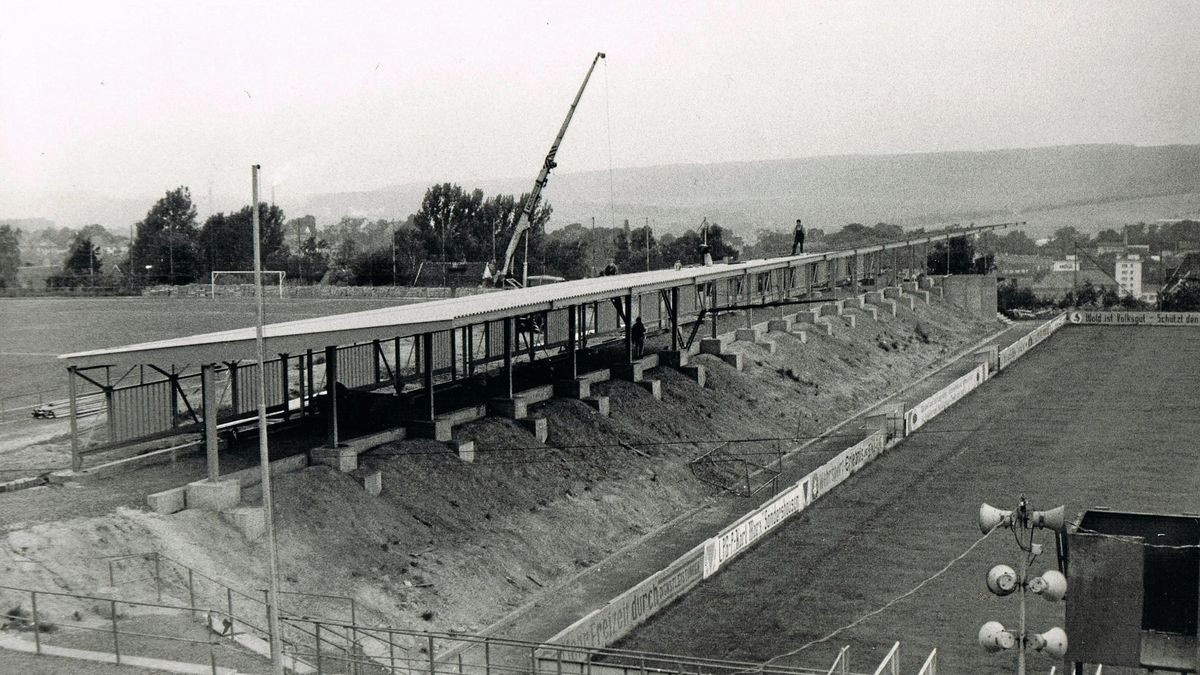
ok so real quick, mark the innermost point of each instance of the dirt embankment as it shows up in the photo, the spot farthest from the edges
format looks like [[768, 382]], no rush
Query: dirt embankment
[[455, 546]]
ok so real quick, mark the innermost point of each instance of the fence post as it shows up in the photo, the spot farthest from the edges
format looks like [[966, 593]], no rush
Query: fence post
[[317, 625], [37, 626], [191, 591], [432, 663], [112, 606], [158, 576]]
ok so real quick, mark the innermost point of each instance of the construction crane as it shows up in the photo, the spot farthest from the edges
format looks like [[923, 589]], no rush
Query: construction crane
[[525, 217]]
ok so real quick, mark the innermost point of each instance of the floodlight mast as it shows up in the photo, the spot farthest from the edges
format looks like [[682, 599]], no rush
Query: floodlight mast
[[525, 217]]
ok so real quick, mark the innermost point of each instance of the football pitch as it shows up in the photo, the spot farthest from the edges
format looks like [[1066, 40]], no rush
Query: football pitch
[[1096, 416], [34, 331]]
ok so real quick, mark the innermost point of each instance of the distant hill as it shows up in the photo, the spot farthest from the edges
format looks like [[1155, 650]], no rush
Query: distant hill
[[911, 190]]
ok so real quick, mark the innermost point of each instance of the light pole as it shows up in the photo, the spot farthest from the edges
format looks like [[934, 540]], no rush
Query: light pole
[[264, 457]]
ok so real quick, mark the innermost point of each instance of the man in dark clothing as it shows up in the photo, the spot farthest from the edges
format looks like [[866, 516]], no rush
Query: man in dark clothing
[[798, 239], [638, 332], [610, 269]]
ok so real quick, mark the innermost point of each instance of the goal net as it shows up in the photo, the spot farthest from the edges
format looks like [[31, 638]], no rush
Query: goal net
[[241, 283]]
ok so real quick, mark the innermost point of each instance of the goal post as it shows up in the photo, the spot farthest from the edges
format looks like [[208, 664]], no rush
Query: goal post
[[239, 278]]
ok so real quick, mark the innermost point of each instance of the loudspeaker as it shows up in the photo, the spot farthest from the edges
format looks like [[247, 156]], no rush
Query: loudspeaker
[[990, 517], [1051, 520], [1052, 642], [993, 637], [1052, 585], [1002, 580]]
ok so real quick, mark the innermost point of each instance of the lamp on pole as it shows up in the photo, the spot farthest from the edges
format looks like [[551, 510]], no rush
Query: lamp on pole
[[264, 457]]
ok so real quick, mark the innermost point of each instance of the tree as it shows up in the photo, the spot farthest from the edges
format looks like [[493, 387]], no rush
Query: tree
[[84, 257], [1183, 298], [962, 258], [10, 255], [1010, 296], [686, 247], [226, 242], [165, 243]]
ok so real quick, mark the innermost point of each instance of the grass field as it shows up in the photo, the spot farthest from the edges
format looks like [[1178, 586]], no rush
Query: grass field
[[34, 331], [1096, 416]]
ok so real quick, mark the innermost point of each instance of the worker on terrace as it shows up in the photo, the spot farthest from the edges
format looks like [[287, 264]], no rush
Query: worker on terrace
[[798, 239], [638, 333]]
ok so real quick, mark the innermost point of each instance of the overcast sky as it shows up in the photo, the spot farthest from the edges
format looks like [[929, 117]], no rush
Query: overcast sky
[[131, 99]]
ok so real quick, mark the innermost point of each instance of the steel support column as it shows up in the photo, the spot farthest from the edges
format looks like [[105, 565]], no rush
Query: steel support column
[[331, 375], [72, 396], [675, 318], [572, 342], [508, 362], [208, 393], [427, 363], [628, 302]]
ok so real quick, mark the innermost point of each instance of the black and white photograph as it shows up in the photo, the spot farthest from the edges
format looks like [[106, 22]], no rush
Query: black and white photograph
[[685, 337]]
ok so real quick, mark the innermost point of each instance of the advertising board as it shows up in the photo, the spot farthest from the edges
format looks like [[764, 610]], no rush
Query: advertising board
[[1088, 317]]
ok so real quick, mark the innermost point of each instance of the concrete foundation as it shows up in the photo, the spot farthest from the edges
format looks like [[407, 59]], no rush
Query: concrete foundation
[[538, 427], [920, 295], [344, 458], [769, 346], [886, 306], [513, 408], [826, 324], [630, 372], [371, 480], [850, 320], [746, 335], [599, 403], [697, 373], [652, 386], [578, 388], [783, 325], [168, 501], [713, 346], [831, 308], [801, 335], [438, 430], [249, 520], [214, 495], [807, 316], [853, 303], [465, 450], [674, 359]]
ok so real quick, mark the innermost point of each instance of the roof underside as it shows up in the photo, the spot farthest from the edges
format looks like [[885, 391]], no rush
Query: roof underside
[[294, 337]]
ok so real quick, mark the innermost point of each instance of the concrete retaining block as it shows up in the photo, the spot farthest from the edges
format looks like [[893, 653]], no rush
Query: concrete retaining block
[[630, 372], [168, 501], [779, 325], [767, 345], [831, 308], [853, 303], [907, 301], [908, 286], [892, 292], [536, 426], [850, 320], [746, 334], [371, 480], [734, 360], [513, 408], [438, 430], [596, 376], [887, 306], [801, 335], [577, 388], [674, 359], [824, 323], [599, 403], [214, 495], [344, 458], [652, 386], [808, 316], [714, 346], [926, 283], [919, 295], [465, 450], [696, 373], [249, 520]]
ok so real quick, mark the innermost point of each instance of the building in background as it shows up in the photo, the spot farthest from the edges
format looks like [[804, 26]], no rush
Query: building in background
[[1070, 263], [1129, 275]]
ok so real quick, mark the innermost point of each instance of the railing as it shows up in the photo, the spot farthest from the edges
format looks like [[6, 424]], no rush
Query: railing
[[930, 665], [891, 663], [119, 634], [841, 665]]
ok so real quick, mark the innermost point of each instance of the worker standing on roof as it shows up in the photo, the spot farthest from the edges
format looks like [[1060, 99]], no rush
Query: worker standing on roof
[[638, 333], [798, 239]]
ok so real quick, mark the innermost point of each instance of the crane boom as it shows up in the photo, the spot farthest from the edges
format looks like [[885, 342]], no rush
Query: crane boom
[[525, 217]]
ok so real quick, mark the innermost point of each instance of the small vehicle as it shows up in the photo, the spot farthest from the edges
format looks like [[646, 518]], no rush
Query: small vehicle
[[1021, 314]]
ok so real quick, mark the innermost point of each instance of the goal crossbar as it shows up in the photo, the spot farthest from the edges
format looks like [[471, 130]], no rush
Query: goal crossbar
[[279, 277]]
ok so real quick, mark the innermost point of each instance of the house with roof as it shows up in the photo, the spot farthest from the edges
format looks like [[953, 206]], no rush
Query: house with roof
[[1055, 285]]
